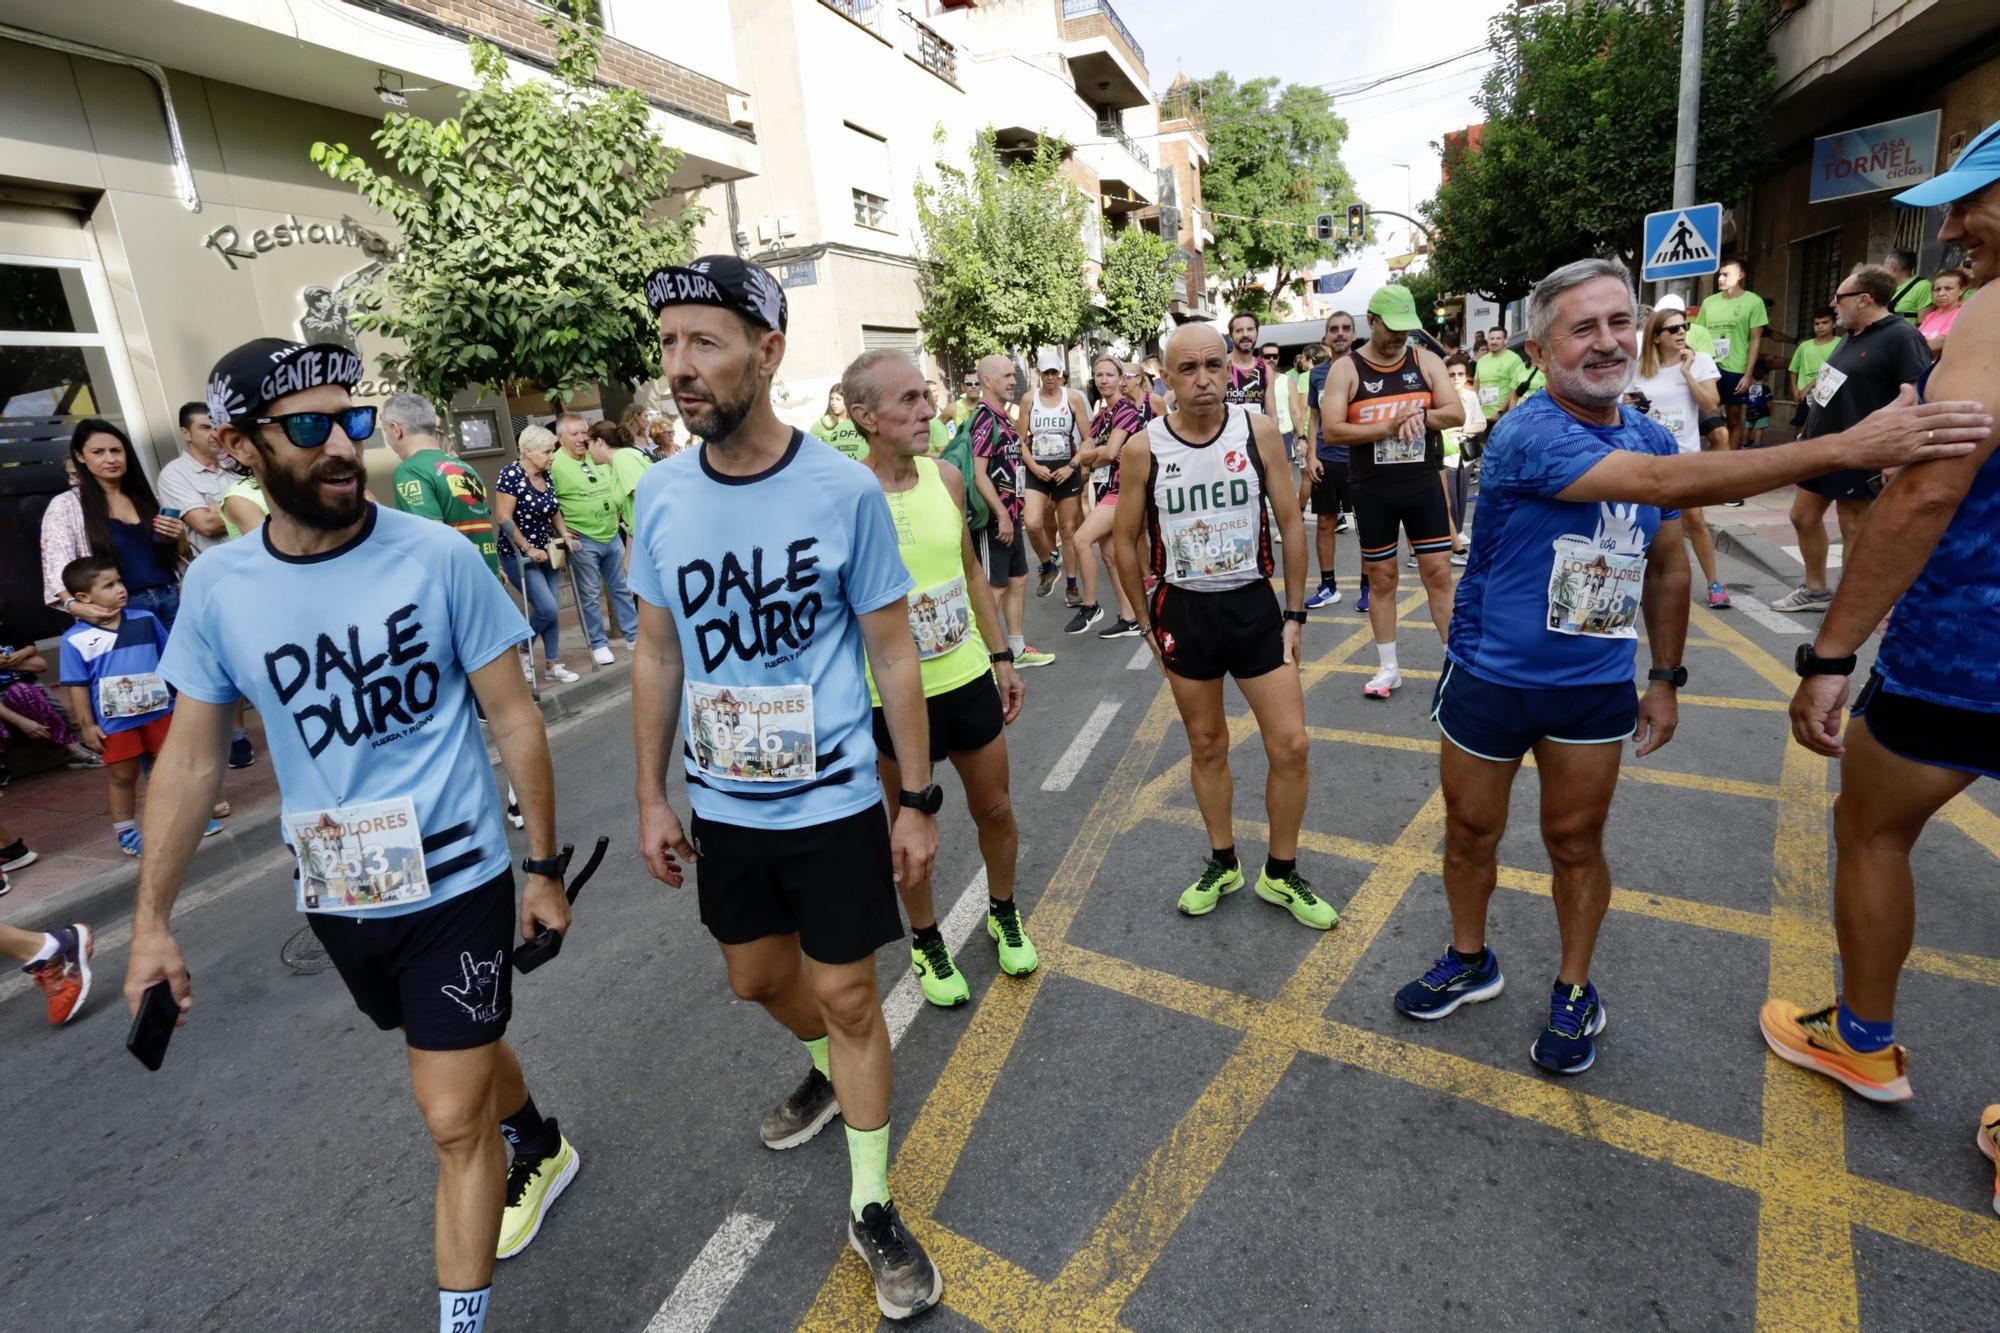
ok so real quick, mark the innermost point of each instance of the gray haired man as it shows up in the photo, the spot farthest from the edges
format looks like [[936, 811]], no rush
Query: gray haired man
[[1579, 538]]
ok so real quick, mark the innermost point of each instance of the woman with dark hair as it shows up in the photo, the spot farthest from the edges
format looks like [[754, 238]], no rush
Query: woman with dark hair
[[628, 463], [113, 514]]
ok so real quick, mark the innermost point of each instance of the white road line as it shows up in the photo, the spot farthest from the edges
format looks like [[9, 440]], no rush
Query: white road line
[[906, 1001], [1141, 659], [704, 1289], [1775, 621], [1832, 555], [1087, 737]]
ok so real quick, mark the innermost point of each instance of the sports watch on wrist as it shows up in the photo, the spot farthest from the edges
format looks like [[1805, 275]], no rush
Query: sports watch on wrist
[[1004, 655], [1676, 676], [1296, 617], [552, 866], [926, 802], [1810, 663]]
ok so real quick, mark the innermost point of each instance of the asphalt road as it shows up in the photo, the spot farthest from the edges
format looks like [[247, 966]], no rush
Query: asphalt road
[[1177, 1124]]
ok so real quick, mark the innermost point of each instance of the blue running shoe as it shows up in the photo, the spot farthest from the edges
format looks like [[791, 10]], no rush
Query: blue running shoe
[[242, 754], [214, 827], [1361, 601], [128, 841], [1325, 596], [1568, 1044], [1451, 983]]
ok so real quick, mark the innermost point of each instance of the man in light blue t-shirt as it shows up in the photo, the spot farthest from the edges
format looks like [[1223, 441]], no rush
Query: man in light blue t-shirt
[[767, 572], [1579, 539], [364, 637]]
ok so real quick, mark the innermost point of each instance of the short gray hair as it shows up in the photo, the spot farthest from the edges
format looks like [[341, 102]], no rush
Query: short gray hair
[[1542, 301], [413, 412], [859, 384], [534, 439]]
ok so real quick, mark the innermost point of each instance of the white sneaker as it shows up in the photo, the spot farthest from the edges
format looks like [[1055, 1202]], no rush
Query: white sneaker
[[629, 646], [601, 655], [1804, 599], [1382, 682], [561, 674]]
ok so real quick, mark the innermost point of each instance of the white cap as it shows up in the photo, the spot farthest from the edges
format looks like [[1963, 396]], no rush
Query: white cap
[[1672, 302], [1050, 361]]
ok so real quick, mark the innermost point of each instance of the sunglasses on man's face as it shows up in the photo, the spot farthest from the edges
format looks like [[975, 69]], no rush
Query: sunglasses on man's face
[[310, 430]]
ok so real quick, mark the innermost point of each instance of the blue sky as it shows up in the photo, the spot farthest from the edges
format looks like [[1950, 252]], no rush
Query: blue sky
[[1336, 42]]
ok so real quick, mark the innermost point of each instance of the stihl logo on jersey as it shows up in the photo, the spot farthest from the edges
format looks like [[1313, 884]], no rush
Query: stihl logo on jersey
[[1384, 409], [1234, 461], [1171, 470]]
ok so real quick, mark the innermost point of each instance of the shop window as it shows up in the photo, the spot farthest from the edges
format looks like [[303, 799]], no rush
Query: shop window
[[1816, 274]]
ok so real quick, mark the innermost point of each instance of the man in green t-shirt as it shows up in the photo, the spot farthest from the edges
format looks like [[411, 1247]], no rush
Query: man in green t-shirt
[[1913, 294], [588, 493], [1498, 373], [431, 483], [1807, 360], [1737, 318]]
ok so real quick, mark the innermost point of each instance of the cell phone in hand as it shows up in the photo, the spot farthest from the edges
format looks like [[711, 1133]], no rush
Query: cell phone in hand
[[153, 1025], [170, 513]]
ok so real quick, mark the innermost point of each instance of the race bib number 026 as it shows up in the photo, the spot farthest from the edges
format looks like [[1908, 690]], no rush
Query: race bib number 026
[[1594, 593], [358, 857], [752, 733]]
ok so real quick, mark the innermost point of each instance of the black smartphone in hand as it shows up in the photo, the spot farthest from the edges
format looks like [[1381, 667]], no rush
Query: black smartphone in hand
[[153, 1025]]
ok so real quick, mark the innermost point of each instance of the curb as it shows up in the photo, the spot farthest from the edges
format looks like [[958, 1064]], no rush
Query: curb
[[1748, 547], [251, 838]]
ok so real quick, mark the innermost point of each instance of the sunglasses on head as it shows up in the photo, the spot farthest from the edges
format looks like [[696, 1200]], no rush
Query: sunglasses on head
[[310, 430]]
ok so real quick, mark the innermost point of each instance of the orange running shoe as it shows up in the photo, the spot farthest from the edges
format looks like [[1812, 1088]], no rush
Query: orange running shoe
[[1989, 1143], [65, 978], [1811, 1040]]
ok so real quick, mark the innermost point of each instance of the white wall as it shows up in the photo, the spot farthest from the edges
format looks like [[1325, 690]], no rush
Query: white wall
[[696, 34]]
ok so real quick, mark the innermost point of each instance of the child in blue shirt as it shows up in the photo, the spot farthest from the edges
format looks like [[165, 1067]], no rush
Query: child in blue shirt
[[1757, 405], [112, 673]]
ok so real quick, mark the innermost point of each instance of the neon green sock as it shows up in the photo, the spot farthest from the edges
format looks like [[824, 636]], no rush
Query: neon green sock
[[868, 1161], [816, 1048]]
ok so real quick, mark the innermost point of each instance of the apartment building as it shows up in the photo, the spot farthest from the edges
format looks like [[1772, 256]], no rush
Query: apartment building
[[850, 95]]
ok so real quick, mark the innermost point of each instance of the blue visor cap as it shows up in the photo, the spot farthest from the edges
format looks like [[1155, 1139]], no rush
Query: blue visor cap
[[1977, 167]]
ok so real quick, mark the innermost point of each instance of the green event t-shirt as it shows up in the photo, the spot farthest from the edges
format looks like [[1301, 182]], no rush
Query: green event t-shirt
[[1915, 299], [940, 436], [1807, 360], [430, 483], [1497, 376], [1730, 319], [588, 493], [842, 436], [628, 465], [1700, 339]]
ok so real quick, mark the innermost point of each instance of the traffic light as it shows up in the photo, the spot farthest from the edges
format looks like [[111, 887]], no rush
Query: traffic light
[[1323, 227], [1357, 221]]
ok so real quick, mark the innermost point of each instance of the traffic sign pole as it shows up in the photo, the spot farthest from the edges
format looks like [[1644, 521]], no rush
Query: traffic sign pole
[[1689, 123]]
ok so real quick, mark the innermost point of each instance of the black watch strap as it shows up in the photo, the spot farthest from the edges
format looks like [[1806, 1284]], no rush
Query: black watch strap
[[1296, 617], [1810, 663], [552, 866], [928, 801], [1004, 655], [1675, 676]]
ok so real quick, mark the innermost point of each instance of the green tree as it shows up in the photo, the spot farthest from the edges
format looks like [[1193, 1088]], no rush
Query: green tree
[[1003, 249], [1142, 270], [529, 222], [1578, 144], [1274, 167]]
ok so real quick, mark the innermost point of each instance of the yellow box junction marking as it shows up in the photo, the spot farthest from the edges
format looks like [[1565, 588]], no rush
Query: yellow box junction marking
[[1808, 1202]]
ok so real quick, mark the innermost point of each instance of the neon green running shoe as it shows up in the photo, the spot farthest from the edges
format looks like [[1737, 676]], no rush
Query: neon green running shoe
[[1200, 897], [1032, 656], [1017, 951], [532, 1187], [1296, 896], [943, 984]]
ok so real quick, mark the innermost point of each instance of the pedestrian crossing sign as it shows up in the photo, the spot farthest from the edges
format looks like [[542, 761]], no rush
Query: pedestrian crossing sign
[[1683, 242]]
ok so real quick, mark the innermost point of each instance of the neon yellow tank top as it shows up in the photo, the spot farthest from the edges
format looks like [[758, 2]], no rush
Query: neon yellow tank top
[[930, 534]]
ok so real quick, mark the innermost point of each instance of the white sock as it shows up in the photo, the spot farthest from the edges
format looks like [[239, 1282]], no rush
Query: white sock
[[463, 1311], [1017, 642], [50, 946], [120, 825], [1387, 653]]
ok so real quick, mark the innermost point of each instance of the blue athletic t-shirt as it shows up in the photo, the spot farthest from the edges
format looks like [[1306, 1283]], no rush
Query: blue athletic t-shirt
[[1315, 386], [1550, 596], [111, 665], [764, 576], [357, 660]]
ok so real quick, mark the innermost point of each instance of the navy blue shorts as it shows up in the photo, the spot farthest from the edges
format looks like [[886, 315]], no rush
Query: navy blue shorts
[[1929, 733], [1729, 386], [1502, 723]]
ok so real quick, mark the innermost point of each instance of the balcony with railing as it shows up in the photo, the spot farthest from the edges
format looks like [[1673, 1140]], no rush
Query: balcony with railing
[[1107, 62], [1085, 9], [933, 52], [1112, 130]]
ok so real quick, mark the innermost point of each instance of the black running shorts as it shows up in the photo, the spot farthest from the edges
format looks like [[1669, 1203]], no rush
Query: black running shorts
[[1930, 733], [1068, 490], [1331, 493], [1005, 561], [967, 718], [1209, 635], [830, 884], [443, 974], [1385, 510]]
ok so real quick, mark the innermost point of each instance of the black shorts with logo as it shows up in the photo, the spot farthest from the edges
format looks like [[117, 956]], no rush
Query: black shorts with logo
[[1930, 733], [1385, 510], [830, 884], [1209, 635], [962, 719], [1005, 561], [444, 975], [1067, 490], [1847, 484]]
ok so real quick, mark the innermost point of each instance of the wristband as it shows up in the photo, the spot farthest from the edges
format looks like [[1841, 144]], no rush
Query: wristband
[[1296, 617], [1004, 655]]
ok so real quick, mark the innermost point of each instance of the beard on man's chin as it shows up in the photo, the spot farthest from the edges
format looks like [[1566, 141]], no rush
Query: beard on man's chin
[[1579, 387], [299, 496], [719, 420]]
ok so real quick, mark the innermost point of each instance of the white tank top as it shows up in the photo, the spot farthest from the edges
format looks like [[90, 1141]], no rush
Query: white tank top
[[1051, 430], [1205, 507]]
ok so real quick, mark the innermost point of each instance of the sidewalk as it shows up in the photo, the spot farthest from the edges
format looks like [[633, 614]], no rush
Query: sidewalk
[[1761, 533], [81, 874]]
